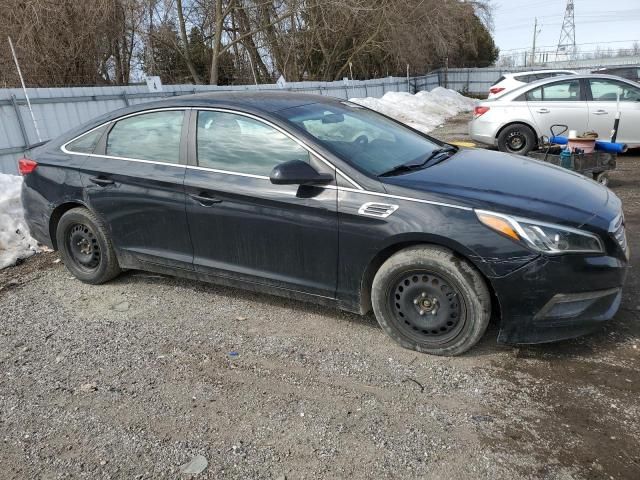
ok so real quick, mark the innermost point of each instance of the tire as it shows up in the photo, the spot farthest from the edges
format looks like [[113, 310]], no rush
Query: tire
[[602, 178], [451, 294], [85, 247], [517, 138]]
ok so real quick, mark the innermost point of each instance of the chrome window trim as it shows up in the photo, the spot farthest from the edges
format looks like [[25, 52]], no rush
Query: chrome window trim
[[227, 172], [64, 149], [359, 189], [214, 109], [64, 146]]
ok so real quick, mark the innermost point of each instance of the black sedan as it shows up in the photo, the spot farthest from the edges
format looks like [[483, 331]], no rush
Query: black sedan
[[323, 200]]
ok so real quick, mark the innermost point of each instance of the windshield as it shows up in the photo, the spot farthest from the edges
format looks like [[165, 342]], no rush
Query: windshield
[[368, 141]]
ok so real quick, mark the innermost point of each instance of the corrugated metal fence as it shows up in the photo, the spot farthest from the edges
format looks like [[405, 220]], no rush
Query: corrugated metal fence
[[60, 109], [57, 110]]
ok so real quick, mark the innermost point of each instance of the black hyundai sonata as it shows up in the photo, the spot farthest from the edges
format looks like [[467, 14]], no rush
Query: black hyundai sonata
[[320, 199]]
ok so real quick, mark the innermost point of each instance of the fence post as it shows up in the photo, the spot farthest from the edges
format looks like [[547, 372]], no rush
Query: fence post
[[23, 131], [125, 98], [446, 72]]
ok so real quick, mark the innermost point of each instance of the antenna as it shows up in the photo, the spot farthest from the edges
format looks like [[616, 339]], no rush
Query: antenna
[[567, 44]]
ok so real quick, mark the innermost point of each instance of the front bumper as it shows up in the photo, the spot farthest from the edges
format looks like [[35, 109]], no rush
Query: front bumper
[[556, 298]]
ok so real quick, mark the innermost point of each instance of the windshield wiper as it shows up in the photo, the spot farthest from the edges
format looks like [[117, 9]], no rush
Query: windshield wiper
[[434, 157]]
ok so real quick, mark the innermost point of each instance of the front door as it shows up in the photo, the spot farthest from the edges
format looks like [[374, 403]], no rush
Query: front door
[[243, 226], [562, 102], [604, 104], [134, 181]]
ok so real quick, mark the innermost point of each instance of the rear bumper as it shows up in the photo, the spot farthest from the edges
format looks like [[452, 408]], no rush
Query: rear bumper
[[37, 213], [556, 298], [482, 132]]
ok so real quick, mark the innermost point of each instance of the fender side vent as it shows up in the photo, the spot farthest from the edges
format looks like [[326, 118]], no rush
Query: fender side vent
[[380, 210]]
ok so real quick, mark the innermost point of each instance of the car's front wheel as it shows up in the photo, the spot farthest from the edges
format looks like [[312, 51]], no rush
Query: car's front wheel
[[517, 138], [85, 247], [429, 300]]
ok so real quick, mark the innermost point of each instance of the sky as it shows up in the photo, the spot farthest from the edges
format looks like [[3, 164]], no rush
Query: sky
[[597, 22]]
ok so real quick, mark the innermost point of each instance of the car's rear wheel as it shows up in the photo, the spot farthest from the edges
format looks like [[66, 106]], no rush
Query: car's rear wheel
[[429, 300], [517, 138], [85, 247]]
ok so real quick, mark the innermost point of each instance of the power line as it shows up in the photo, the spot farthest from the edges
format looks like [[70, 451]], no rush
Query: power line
[[577, 44]]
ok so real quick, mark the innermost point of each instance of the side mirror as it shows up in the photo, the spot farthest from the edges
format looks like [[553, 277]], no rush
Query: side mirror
[[297, 172]]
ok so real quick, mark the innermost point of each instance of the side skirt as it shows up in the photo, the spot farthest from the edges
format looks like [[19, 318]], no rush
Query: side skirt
[[130, 262]]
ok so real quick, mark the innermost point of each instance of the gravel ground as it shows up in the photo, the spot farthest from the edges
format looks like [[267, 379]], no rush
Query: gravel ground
[[135, 378]]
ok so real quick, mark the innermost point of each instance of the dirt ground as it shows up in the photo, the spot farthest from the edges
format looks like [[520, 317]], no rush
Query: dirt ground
[[134, 378]]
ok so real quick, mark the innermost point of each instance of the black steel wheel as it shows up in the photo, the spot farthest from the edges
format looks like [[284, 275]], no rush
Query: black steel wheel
[[428, 307], [429, 300], [85, 247], [517, 138]]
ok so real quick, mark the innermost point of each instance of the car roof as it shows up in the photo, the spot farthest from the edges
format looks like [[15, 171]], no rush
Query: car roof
[[256, 102], [534, 72], [617, 67], [579, 76], [264, 101], [529, 86]]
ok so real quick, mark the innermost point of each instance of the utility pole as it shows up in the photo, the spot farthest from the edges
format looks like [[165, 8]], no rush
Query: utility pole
[[567, 42], [533, 47]]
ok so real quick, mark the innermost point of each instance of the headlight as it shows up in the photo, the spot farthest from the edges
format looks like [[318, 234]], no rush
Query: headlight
[[543, 237]]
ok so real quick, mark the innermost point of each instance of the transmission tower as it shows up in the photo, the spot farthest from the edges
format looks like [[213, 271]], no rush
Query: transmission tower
[[567, 44]]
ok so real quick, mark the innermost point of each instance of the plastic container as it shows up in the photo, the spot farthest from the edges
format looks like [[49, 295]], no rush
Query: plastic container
[[565, 159], [587, 145]]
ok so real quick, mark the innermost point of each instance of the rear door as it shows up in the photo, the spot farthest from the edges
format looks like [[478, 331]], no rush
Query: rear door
[[243, 226], [562, 102], [134, 181], [603, 105]]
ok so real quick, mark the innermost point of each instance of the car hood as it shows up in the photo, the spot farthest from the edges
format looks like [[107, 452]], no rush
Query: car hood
[[511, 184]]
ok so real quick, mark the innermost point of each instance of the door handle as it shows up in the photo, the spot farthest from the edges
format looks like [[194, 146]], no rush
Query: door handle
[[103, 182], [600, 112], [205, 200], [543, 110]]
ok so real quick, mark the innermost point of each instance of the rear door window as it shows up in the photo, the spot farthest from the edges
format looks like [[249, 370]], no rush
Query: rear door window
[[566, 91], [239, 144], [153, 136]]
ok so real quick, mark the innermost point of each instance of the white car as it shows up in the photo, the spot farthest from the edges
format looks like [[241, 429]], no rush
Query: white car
[[511, 81], [515, 121]]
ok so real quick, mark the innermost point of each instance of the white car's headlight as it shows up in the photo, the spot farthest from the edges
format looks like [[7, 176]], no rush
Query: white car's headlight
[[543, 237]]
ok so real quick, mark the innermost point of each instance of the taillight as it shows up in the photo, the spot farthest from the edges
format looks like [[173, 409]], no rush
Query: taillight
[[480, 111], [26, 166], [496, 90]]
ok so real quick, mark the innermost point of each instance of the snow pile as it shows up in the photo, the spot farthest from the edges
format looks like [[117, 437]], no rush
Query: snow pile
[[15, 240], [423, 111]]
